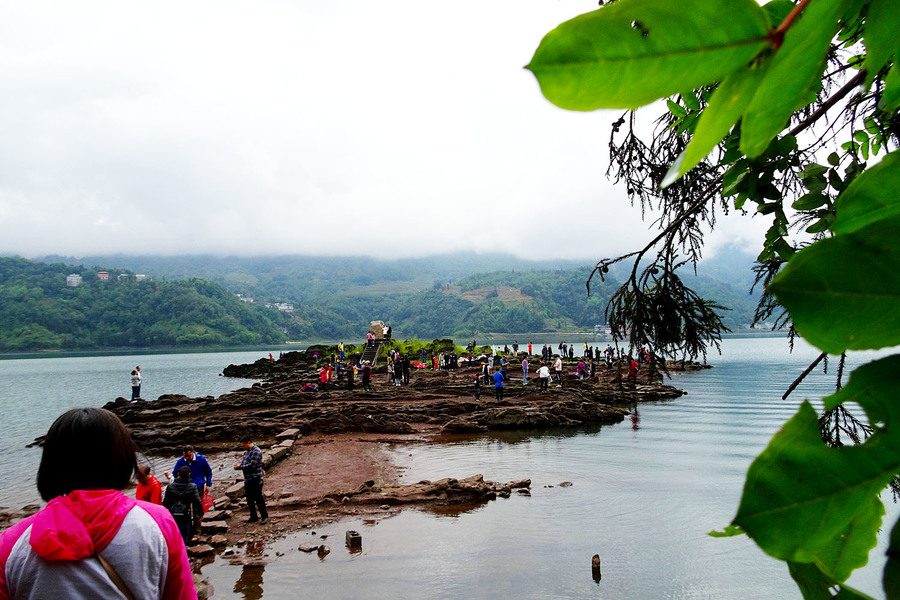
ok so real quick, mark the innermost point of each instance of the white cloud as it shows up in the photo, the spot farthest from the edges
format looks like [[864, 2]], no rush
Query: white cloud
[[391, 129]]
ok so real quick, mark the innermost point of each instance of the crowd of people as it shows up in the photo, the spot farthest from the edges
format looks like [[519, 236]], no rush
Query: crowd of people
[[92, 540], [493, 365]]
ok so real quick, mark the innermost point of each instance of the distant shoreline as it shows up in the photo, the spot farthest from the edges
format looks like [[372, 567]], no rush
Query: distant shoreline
[[494, 338]]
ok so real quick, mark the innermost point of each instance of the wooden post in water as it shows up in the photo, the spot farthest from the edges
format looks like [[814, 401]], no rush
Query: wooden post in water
[[595, 568]]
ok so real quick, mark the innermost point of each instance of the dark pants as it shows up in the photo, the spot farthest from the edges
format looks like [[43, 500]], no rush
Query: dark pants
[[255, 499], [135, 392], [543, 381], [498, 392], [185, 526]]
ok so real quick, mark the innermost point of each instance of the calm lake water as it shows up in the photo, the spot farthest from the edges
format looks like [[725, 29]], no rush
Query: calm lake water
[[644, 492], [34, 391]]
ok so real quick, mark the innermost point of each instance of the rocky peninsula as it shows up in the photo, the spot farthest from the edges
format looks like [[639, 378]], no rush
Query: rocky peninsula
[[324, 450]]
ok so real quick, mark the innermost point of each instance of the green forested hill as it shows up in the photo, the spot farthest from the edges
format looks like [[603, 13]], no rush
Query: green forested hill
[[38, 311], [336, 298]]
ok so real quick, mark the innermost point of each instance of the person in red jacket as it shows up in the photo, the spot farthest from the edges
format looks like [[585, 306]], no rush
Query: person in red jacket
[[148, 487]]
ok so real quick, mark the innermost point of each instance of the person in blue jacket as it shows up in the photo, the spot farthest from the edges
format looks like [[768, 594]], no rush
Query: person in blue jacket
[[201, 473], [498, 383]]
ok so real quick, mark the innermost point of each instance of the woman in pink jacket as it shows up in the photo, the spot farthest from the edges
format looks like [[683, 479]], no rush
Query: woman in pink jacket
[[92, 541]]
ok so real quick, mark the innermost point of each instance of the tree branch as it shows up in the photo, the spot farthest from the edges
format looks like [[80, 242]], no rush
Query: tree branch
[[828, 104], [803, 375]]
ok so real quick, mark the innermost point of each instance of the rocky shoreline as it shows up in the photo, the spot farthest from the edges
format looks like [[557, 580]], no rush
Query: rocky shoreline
[[434, 402], [323, 450]]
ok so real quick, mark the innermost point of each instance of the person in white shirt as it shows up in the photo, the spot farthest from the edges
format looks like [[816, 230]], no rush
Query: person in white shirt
[[135, 385], [558, 368], [543, 377]]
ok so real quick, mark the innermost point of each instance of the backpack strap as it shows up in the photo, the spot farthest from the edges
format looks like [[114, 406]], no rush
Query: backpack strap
[[114, 576]]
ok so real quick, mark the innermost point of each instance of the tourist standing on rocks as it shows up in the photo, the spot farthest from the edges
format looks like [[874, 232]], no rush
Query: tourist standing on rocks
[[558, 369], [201, 473], [183, 501], [632, 372], [543, 377], [350, 374], [135, 385], [366, 375], [148, 487], [525, 371], [498, 384], [477, 387], [529, 348], [251, 465], [91, 540]]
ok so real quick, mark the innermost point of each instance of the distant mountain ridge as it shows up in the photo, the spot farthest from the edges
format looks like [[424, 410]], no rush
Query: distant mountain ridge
[[458, 294]]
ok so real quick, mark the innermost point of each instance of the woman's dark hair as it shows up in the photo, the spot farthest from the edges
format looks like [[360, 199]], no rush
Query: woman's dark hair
[[86, 448], [184, 474]]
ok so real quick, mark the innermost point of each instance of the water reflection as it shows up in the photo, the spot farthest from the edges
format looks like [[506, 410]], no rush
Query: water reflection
[[250, 584], [455, 510]]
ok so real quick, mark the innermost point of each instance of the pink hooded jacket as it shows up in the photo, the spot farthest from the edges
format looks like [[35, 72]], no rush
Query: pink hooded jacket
[[53, 553]]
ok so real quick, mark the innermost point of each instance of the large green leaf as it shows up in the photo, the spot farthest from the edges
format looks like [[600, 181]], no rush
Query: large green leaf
[[891, 580], [850, 550], [724, 109], [796, 67], [632, 52], [872, 196], [890, 99], [875, 386], [816, 585], [882, 25], [801, 495], [843, 293]]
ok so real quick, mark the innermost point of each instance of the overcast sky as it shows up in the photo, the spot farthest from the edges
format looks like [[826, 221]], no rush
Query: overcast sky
[[390, 128]]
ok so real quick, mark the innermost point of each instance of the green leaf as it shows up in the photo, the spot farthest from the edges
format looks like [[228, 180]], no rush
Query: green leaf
[[730, 531], [819, 226], [796, 67], [676, 109], [810, 201], [725, 108], [816, 585], [632, 52], [690, 100], [891, 581], [843, 292], [801, 495], [776, 11], [834, 159], [890, 98], [874, 387], [882, 24], [871, 196], [850, 550]]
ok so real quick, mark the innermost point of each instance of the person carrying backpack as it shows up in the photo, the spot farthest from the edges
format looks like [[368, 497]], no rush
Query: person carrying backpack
[[183, 501]]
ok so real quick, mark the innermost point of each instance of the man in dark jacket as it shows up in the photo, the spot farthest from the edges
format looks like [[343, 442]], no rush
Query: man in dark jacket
[[183, 501], [251, 465]]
